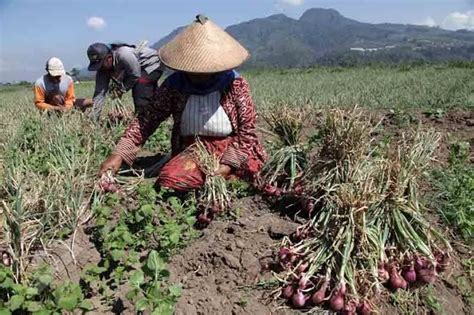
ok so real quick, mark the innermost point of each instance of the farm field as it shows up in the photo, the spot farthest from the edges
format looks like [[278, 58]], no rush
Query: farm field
[[73, 248]]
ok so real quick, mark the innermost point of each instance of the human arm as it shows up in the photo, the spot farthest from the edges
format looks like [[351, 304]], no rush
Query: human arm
[[70, 97], [245, 137], [145, 124], [40, 102], [102, 80]]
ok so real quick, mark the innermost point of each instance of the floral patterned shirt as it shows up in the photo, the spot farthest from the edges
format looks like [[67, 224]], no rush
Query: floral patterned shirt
[[246, 151]]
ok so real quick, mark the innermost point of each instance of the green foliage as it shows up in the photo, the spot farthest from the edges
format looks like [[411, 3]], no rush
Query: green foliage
[[39, 295], [164, 225], [148, 291], [455, 185]]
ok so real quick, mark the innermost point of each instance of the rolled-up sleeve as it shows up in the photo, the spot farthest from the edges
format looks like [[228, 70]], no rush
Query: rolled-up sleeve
[[145, 124]]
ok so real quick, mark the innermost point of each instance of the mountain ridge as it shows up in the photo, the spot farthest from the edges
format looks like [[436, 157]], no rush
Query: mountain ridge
[[324, 36]]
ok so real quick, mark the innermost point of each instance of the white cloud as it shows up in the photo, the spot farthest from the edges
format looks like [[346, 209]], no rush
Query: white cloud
[[292, 2], [459, 20], [429, 21], [96, 22]]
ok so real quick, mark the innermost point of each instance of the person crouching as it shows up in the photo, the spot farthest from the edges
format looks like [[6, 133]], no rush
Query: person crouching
[[208, 101], [54, 91]]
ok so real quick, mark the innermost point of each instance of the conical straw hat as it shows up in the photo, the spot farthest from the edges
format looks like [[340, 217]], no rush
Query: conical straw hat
[[203, 47]]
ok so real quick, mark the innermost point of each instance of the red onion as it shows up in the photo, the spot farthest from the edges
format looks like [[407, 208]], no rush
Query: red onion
[[298, 189], [427, 275], [298, 299], [337, 299], [302, 267], [442, 260], [272, 190], [287, 291], [396, 282], [216, 208], [383, 274], [303, 283], [409, 274], [420, 263], [365, 308], [350, 308], [107, 184], [319, 296], [203, 219], [6, 260]]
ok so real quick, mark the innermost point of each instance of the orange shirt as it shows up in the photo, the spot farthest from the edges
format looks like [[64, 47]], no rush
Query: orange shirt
[[45, 88]]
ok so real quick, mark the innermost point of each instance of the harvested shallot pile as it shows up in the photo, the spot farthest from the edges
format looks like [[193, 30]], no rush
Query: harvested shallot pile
[[214, 198], [284, 169], [367, 230]]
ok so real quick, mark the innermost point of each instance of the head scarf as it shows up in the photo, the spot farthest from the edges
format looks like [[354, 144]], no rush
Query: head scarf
[[219, 82]]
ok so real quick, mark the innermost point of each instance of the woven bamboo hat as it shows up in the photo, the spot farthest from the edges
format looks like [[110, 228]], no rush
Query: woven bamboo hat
[[203, 47]]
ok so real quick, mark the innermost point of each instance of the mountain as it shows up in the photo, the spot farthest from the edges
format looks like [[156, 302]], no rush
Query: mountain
[[324, 36]]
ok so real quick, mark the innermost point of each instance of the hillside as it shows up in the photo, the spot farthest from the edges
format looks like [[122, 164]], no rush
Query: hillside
[[324, 36]]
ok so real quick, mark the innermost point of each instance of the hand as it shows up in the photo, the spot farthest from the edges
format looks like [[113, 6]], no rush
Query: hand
[[83, 103], [112, 163], [223, 170], [60, 108]]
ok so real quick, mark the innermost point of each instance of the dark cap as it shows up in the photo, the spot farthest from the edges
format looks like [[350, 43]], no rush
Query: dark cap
[[96, 53]]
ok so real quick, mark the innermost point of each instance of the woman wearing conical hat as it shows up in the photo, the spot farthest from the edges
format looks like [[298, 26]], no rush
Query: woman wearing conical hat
[[207, 100]]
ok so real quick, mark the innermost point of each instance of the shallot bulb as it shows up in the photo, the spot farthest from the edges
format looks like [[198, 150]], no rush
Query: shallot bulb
[[6, 259], [302, 267], [337, 300], [287, 291], [383, 274], [307, 205], [365, 308], [319, 296], [420, 263], [350, 308], [427, 275], [442, 260], [298, 299], [409, 274], [204, 219], [272, 191], [396, 282], [216, 208], [303, 283], [107, 183]]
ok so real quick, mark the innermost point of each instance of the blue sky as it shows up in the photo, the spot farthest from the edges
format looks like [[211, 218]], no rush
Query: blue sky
[[31, 31]]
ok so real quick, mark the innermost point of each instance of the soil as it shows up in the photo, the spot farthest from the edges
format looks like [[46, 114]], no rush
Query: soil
[[221, 272]]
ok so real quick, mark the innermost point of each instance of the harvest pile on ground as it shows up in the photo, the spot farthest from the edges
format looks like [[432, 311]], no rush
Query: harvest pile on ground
[[366, 226], [357, 210]]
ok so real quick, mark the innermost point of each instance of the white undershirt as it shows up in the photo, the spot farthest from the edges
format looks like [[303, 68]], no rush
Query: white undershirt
[[204, 116]]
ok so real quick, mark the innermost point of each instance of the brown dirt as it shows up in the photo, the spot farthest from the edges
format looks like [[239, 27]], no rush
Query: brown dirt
[[66, 265], [221, 271]]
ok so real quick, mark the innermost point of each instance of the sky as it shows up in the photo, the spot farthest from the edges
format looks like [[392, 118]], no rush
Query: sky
[[31, 31]]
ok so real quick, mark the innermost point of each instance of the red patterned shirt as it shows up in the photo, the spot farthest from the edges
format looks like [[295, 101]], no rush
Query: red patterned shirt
[[246, 152]]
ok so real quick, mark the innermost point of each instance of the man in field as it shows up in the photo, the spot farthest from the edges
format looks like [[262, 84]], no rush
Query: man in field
[[54, 91], [120, 68]]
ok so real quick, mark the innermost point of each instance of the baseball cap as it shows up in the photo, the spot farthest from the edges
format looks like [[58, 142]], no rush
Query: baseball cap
[[55, 67], [96, 53]]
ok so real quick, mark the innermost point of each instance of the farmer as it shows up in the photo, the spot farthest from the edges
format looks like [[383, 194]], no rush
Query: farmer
[[54, 91], [207, 100], [120, 68]]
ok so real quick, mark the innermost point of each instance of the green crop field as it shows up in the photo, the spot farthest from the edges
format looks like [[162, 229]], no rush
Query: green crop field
[[50, 208]]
